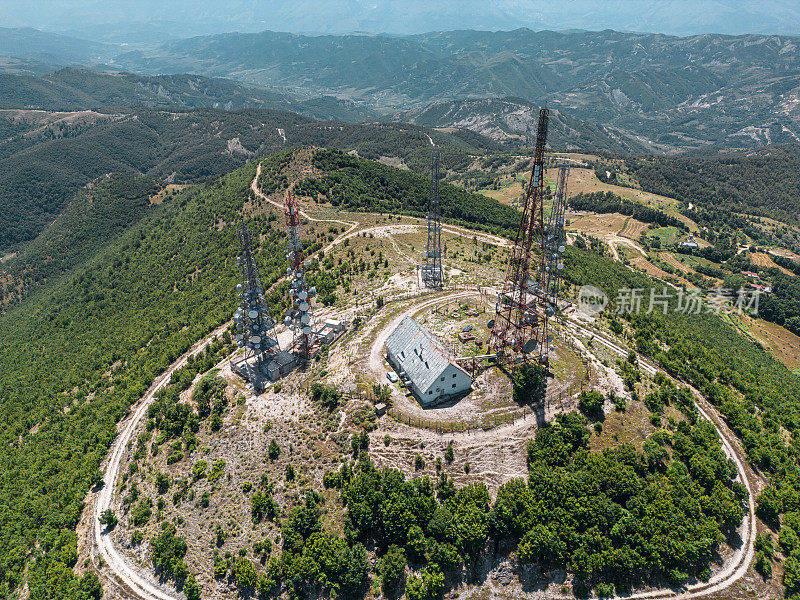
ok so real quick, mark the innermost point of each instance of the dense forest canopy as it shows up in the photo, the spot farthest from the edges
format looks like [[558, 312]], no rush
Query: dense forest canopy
[[352, 183], [763, 182]]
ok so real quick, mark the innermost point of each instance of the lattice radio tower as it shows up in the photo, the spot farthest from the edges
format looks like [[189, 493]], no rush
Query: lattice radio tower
[[300, 317], [432, 275], [519, 332], [254, 323], [555, 240]]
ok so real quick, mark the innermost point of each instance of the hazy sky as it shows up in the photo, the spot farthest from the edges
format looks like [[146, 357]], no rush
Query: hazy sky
[[114, 20]]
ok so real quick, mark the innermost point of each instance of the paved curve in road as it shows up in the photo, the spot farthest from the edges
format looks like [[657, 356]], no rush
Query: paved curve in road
[[141, 585]]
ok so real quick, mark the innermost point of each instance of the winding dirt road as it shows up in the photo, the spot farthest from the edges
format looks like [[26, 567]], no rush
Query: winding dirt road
[[138, 584], [141, 584]]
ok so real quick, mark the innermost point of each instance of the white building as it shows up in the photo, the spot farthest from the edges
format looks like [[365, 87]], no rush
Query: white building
[[424, 364]]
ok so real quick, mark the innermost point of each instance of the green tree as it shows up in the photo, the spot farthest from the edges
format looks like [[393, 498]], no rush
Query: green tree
[[429, 585], [89, 587], [541, 544], [591, 404], [168, 550], [763, 565], [245, 573], [391, 568], [109, 519], [191, 588], [529, 383], [419, 462], [448, 453], [274, 450], [769, 506], [162, 482]]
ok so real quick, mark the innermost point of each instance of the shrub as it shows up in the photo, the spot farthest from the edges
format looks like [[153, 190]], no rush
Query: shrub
[[591, 404], [604, 590], [217, 469], [109, 519], [391, 568], [199, 469], [529, 383]]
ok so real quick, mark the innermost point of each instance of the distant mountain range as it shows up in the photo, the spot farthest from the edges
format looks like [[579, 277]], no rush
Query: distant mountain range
[[663, 92], [640, 91], [52, 48], [137, 20]]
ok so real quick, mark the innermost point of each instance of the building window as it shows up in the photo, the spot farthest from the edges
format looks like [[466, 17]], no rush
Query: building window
[[454, 385], [442, 379], [430, 391], [454, 375]]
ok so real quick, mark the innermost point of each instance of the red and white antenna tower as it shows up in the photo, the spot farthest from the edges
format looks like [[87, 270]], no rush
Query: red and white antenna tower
[[300, 317], [519, 331]]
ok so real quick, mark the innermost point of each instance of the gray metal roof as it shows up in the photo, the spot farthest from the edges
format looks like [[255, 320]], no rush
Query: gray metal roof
[[283, 358], [419, 353]]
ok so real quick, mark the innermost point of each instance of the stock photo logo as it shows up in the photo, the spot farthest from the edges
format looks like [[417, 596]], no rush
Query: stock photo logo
[[591, 300]]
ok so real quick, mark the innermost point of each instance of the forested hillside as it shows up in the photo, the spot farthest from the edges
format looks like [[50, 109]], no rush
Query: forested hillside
[[79, 350], [764, 182], [78, 89], [96, 216], [48, 158], [759, 397], [352, 183]]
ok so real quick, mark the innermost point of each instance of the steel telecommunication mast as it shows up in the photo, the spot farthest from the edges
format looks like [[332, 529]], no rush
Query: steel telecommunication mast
[[432, 274], [300, 316], [519, 330], [254, 323]]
